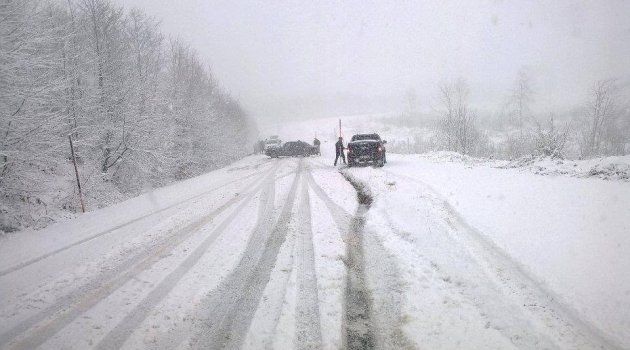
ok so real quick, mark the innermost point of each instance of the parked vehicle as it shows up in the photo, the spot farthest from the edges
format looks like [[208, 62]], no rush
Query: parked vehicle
[[292, 149], [271, 143], [367, 148]]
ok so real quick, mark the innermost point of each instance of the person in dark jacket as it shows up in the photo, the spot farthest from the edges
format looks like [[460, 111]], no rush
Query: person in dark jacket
[[316, 143], [261, 146], [339, 151]]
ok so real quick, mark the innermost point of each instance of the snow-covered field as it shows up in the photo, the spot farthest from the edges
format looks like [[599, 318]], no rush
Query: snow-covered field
[[556, 246], [437, 251]]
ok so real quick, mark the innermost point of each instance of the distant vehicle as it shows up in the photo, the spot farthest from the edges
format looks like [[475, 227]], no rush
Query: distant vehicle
[[292, 149], [273, 142], [367, 148]]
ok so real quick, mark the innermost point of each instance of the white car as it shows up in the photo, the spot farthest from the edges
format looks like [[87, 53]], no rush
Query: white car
[[272, 143]]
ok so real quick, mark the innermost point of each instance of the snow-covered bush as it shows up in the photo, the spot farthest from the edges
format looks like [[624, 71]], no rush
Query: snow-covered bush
[[550, 141]]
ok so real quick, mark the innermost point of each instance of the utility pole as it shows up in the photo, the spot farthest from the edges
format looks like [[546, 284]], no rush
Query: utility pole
[[76, 172], [340, 128]]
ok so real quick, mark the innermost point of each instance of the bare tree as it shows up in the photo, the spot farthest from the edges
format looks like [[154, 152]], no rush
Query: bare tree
[[600, 112], [458, 121], [111, 62], [520, 98], [146, 50], [518, 104]]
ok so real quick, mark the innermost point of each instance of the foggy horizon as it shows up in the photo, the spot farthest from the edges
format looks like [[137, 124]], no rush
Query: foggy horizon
[[335, 55]]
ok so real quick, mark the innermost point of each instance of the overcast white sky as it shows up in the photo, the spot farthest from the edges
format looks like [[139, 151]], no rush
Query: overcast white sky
[[275, 54]]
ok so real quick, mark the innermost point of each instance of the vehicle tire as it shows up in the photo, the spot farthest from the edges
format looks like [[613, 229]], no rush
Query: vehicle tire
[[381, 162]]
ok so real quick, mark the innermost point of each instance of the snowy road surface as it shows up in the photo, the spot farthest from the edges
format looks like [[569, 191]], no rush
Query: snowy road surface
[[287, 253]]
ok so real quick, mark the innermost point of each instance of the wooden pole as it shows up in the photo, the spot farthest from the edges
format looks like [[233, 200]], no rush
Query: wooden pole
[[340, 128], [76, 172]]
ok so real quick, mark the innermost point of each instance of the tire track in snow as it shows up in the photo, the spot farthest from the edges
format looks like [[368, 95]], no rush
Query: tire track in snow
[[55, 317], [357, 304], [308, 326], [387, 292], [281, 298], [272, 303], [358, 301], [340, 216], [123, 330], [112, 229], [386, 325], [231, 307]]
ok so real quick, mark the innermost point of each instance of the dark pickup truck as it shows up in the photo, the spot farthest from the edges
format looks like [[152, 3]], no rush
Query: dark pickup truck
[[366, 148]]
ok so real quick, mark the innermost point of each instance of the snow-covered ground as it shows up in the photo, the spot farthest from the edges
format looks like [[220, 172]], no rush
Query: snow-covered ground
[[556, 247], [432, 251]]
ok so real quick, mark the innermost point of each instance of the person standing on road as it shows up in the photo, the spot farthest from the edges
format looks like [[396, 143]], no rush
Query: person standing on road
[[261, 146], [339, 151], [316, 143]]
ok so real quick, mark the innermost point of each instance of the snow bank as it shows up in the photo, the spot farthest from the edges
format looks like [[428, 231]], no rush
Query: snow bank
[[607, 168]]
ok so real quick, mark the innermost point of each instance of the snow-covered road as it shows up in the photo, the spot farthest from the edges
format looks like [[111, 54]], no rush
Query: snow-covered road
[[244, 256], [271, 253]]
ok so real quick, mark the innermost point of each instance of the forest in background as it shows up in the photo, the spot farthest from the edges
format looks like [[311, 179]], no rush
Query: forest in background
[[598, 127], [142, 109]]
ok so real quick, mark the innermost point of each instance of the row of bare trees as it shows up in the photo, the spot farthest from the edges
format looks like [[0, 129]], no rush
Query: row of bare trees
[[142, 109], [600, 127]]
